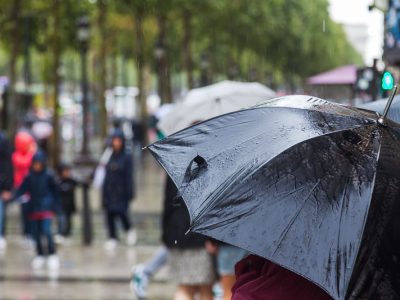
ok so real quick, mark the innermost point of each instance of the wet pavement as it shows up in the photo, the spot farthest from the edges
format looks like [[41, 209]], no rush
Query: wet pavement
[[90, 272], [84, 273]]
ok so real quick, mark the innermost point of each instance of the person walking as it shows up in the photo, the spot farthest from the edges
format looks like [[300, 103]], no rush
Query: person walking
[[6, 184], [67, 186], [226, 257], [191, 266], [25, 147], [41, 187], [118, 191]]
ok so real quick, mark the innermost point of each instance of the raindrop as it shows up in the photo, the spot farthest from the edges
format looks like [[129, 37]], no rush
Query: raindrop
[[323, 26], [176, 242]]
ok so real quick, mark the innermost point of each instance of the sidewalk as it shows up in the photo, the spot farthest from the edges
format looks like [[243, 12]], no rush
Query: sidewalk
[[85, 273], [90, 272]]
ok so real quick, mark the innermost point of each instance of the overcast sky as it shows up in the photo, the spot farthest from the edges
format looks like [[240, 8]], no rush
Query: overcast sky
[[356, 12]]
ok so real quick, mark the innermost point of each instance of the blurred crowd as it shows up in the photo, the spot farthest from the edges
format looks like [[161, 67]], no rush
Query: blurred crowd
[[47, 203]]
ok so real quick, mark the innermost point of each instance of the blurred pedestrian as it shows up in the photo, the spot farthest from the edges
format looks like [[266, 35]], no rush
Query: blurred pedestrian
[[191, 266], [41, 187], [67, 185], [226, 256], [25, 147], [118, 191], [6, 184], [258, 278]]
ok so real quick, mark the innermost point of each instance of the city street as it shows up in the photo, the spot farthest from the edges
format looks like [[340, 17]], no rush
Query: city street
[[90, 272], [199, 150]]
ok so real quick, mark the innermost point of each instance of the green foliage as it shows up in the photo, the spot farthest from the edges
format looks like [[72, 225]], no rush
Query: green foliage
[[285, 38]]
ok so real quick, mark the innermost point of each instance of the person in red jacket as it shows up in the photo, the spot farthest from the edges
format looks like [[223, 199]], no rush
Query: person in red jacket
[[260, 279], [25, 148]]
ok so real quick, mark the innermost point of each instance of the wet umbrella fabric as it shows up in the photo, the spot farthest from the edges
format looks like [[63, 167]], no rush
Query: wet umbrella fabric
[[310, 185]]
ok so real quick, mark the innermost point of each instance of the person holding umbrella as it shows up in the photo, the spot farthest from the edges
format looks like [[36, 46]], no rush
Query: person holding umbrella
[[118, 191], [258, 278]]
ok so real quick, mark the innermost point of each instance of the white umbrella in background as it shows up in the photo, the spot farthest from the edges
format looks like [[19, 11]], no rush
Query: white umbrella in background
[[163, 110], [42, 129], [210, 101]]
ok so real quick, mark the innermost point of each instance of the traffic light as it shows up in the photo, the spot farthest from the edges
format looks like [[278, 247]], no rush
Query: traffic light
[[365, 77], [387, 81]]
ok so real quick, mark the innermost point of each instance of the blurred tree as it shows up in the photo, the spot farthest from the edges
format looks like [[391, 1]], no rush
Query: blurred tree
[[10, 19], [56, 53], [102, 7]]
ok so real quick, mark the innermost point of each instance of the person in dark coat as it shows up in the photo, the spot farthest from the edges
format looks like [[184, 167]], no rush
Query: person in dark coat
[[67, 186], [41, 187], [191, 265], [118, 191], [259, 279], [6, 183]]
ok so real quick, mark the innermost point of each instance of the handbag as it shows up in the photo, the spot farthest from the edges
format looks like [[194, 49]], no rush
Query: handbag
[[100, 172]]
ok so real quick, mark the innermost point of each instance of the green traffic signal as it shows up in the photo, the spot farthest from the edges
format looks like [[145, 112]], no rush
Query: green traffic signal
[[387, 81]]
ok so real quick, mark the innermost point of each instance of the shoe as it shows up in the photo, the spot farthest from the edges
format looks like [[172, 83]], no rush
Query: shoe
[[131, 237], [139, 282], [59, 239], [53, 262], [110, 245], [3, 243], [38, 262]]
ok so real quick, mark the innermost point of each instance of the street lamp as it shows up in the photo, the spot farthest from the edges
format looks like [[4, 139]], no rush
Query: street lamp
[[83, 36], [84, 161]]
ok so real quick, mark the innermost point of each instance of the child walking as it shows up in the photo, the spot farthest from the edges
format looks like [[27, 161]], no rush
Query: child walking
[[67, 193], [42, 189]]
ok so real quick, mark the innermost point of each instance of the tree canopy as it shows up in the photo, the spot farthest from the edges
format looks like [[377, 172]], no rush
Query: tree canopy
[[240, 39]]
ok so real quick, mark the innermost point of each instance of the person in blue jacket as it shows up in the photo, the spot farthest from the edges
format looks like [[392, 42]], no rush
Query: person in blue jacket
[[118, 191], [44, 201]]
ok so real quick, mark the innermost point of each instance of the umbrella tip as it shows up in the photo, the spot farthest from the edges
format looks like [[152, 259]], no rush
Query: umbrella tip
[[382, 119]]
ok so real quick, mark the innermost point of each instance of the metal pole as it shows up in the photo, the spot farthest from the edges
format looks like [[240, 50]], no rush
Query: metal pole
[[381, 119], [87, 229], [85, 117]]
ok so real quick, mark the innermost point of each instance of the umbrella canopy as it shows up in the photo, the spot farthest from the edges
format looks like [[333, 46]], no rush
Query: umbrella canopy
[[379, 106], [310, 185], [42, 129], [213, 100]]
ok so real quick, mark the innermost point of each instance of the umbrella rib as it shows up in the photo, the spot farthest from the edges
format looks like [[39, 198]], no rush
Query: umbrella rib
[[338, 238], [287, 228]]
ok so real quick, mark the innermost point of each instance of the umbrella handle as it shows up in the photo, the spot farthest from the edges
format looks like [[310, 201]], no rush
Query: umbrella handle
[[382, 118], [190, 173]]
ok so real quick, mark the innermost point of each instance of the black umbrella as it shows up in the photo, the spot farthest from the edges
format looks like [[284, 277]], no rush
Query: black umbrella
[[310, 185]]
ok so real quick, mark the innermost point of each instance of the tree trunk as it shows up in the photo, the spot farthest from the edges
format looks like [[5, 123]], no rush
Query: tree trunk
[[163, 70], [114, 68], [140, 60], [56, 82], [102, 23], [187, 53], [12, 104]]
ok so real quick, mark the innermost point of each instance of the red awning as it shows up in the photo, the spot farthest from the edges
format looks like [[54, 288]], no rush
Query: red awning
[[339, 76]]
